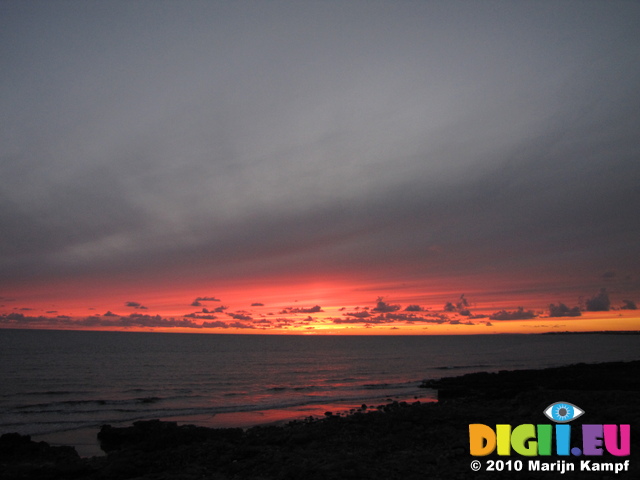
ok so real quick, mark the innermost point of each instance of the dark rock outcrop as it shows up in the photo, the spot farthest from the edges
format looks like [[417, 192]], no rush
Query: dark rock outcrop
[[612, 376], [21, 457]]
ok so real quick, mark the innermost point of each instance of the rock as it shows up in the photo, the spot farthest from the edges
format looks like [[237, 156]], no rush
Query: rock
[[21, 457]]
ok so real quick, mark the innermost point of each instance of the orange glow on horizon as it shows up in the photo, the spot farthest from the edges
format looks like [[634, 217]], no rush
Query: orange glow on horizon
[[310, 306]]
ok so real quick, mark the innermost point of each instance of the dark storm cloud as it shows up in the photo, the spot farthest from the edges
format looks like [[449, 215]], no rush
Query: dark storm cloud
[[228, 138]]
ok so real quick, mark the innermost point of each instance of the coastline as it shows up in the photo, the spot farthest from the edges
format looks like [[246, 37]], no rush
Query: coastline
[[396, 440], [86, 443]]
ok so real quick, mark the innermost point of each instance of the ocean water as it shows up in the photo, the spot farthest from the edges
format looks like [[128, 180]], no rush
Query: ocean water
[[61, 381]]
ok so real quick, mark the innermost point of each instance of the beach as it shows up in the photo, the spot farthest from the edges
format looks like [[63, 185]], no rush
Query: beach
[[400, 440]]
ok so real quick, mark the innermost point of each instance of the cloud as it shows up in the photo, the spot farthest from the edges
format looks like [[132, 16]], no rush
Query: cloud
[[219, 309], [20, 318], [217, 324], [460, 307], [383, 307], [403, 317], [109, 313], [380, 319], [314, 309], [134, 320], [257, 304], [561, 310], [390, 317], [135, 305], [460, 322], [599, 302], [519, 314], [196, 302], [263, 321], [361, 314], [629, 305], [349, 173], [414, 308], [225, 325], [240, 325], [240, 316], [195, 315]]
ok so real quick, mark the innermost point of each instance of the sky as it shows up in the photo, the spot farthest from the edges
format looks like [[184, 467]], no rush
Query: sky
[[320, 166]]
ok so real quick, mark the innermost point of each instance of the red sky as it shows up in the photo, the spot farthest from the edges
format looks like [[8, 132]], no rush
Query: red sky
[[303, 154], [308, 305]]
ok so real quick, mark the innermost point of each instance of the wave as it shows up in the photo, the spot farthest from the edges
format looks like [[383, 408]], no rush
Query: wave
[[461, 367], [48, 393], [40, 407], [387, 386], [301, 388], [53, 417]]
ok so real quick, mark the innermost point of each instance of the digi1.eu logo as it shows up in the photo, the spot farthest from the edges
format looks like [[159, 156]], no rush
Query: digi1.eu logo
[[547, 439], [562, 412]]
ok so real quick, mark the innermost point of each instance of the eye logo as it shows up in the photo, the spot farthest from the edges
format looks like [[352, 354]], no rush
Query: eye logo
[[563, 412]]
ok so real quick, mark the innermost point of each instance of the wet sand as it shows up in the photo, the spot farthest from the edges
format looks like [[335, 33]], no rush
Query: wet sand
[[86, 443]]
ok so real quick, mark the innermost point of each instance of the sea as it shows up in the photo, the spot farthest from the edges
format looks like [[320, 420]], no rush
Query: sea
[[65, 384]]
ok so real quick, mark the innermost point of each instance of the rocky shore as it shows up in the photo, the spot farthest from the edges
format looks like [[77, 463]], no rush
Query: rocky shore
[[393, 441]]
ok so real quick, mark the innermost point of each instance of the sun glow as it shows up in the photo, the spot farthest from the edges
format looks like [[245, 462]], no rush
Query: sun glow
[[317, 307]]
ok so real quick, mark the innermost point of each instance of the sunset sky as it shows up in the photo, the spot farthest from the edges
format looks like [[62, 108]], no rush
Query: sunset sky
[[320, 166]]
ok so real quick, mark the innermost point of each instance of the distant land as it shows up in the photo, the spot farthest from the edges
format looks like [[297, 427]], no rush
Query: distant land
[[600, 332]]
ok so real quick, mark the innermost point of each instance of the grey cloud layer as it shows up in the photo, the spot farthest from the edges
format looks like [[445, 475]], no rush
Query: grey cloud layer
[[282, 135]]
